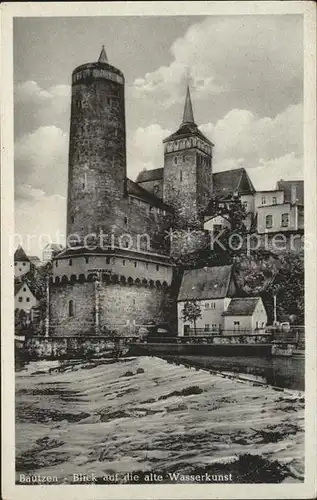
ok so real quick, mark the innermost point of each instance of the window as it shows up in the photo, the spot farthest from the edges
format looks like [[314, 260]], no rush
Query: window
[[108, 101], [180, 176], [20, 299], [135, 264], [107, 260], [133, 302], [85, 181], [87, 260], [263, 200], [71, 308], [15, 263], [123, 262], [28, 299], [206, 328], [175, 160], [245, 204], [157, 267], [217, 228], [126, 221], [56, 263], [126, 244], [274, 200], [213, 305], [268, 221], [70, 262], [24, 289], [156, 189], [285, 220], [236, 325], [214, 327], [23, 264], [146, 265], [206, 305]]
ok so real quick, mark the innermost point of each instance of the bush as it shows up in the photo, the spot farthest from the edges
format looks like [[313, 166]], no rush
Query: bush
[[188, 391], [140, 370], [128, 374]]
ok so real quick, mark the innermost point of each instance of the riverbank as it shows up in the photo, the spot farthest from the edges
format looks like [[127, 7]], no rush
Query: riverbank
[[143, 414]]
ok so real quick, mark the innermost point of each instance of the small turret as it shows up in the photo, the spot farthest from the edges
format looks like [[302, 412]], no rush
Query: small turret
[[103, 56]]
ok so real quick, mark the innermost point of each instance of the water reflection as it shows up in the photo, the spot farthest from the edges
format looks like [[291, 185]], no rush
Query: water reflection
[[282, 372]]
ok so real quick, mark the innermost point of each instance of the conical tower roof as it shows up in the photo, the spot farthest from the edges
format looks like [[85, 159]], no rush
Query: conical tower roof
[[20, 255], [103, 56], [188, 115]]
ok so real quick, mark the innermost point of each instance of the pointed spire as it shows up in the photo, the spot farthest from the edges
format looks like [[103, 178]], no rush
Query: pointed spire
[[188, 116], [103, 56]]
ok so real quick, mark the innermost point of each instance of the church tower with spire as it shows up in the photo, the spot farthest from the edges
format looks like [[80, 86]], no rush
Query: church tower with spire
[[187, 171]]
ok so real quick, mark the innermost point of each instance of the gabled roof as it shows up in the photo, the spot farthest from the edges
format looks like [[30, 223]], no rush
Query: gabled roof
[[205, 283], [135, 190], [20, 255], [231, 181], [150, 175], [242, 306], [19, 284], [286, 186]]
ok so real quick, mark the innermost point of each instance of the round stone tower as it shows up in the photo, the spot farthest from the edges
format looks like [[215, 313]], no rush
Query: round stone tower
[[97, 148]]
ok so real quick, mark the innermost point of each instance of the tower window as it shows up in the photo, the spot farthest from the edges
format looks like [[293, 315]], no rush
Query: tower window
[[135, 264], [72, 219], [180, 175], [146, 265], [157, 267], [126, 221], [109, 101], [274, 200], [70, 262], [175, 160], [28, 299], [87, 260], [56, 263], [71, 308], [107, 260], [123, 262]]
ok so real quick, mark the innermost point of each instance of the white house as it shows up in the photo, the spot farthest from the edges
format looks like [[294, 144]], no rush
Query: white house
[[24, 297], [212, 288], [22, 264], [245, 314]]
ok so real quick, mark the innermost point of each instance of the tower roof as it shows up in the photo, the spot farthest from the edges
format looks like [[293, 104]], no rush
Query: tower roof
[[188, 126], [103, 56], [188, 115], [20, 255]]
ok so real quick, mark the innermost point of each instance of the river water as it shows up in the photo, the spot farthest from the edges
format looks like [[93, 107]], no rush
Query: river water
[[288, 372]]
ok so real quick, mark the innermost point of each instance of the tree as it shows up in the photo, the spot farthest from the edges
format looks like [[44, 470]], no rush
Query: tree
[[191, 312], [289, 287]]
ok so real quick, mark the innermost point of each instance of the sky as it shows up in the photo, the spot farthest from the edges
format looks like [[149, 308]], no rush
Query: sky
[[246, 79]]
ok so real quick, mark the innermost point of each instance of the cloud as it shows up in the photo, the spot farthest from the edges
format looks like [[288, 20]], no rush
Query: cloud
[[41, 160], [145, 149], [245, 58], [39, 219], [242, 137], [35, 106], [266, 175], [272, 147]]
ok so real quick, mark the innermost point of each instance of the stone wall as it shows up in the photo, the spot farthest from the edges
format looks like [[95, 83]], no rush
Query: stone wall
[[83, 320], [100, 307]]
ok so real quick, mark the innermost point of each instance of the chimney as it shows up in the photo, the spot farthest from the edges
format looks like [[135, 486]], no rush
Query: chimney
[[293, 194]]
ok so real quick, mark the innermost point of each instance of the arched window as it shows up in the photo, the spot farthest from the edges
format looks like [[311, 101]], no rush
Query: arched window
[[71, 308]]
